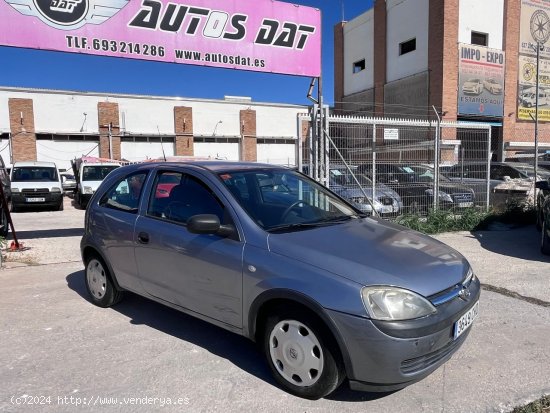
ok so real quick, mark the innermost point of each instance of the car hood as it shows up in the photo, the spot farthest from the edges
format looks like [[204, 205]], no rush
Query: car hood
[[470, 84], [370, 251]]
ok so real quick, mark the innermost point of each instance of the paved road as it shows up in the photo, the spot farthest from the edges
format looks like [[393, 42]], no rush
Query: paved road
[[53, 342]]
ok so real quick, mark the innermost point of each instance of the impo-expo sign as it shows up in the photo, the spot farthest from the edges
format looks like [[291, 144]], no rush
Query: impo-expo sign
[[480, 81], [259, 35]]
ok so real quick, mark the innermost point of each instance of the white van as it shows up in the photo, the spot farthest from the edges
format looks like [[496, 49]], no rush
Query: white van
[[36, 184]]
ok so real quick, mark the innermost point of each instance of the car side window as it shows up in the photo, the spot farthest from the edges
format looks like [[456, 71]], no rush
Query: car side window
[[125, 194], [177, 196]]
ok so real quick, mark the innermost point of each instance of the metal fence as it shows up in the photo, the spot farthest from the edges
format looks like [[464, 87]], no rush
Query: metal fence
[[401, 166]]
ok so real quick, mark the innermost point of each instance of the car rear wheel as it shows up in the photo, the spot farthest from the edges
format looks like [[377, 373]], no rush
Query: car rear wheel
[[99, 283], [301, 355], [545, 240]]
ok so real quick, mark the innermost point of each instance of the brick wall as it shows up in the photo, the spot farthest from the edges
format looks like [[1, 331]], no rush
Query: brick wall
[[443, 56], [247, 121], [108, 113], [183, 127], [513, 130], [338, 65], [379, 55], [23, 137]]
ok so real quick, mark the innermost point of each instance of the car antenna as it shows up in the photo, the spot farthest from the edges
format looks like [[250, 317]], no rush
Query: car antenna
[[161, 146]]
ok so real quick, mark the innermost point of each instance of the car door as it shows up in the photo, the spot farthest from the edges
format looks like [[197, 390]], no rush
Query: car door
[[112, 223], [199, 272]]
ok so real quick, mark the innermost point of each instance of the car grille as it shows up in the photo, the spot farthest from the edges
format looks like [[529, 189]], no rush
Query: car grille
[[465, 197], [386, 200], [39, 192], [418, 364]]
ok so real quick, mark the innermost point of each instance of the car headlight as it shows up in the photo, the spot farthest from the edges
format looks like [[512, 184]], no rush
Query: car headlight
[[393, 303], [443, 196], [88, 190], [55, 189]]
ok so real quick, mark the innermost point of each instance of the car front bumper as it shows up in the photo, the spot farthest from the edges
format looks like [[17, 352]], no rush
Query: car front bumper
[[50, 200], [387, 356]]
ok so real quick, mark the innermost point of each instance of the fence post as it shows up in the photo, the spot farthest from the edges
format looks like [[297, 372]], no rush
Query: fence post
[[373, 162], [436, 161], [488, 178]]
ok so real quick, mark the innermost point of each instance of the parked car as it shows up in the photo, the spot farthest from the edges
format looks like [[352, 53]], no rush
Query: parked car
[[6, 186], [68, 181], [473, 87], [326, 291], [386, 202], [35, 184], [493, 86], [415, 185], [543, 214]]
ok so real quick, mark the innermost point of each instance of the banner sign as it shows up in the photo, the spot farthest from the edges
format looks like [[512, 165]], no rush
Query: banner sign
[[534, 29], [527, 88], [480, 81], [258, 35]]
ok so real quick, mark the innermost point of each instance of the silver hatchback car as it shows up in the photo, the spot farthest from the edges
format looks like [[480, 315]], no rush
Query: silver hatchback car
[[264, 251]]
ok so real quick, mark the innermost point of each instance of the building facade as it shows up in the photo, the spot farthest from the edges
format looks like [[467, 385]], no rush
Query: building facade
[[57, 126], [472, 60]]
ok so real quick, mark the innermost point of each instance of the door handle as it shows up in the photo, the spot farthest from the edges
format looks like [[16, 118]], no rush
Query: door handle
[[143, 238]]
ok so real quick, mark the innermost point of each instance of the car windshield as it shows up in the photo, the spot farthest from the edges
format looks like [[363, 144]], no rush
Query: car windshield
[[530, 171], [342, 177], [286, 200], [419, 173], [97, 172], [34, 174]]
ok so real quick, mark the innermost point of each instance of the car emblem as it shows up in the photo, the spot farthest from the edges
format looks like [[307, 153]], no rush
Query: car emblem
[[69, 14], [293, 353], [464, 293]]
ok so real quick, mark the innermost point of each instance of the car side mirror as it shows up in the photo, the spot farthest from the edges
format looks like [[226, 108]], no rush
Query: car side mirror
[[543, 185], [209, 224]]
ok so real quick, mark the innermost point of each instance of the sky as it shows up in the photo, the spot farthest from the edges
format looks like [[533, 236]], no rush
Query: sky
[[70, 71]]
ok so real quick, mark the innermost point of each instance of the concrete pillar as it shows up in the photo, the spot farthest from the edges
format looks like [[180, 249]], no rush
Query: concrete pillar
[[23, 137], [183, 127], [108, 114], [247, 120]]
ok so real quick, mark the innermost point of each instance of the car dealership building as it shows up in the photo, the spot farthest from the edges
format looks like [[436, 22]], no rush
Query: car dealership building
[[57, 126], [473, 60]]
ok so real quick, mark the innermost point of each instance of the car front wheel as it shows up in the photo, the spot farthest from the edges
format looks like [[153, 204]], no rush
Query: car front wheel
[[99, 283], [301, 356]]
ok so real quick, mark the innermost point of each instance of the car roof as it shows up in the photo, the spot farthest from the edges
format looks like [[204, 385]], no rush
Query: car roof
[[33, 163], [213, 166]]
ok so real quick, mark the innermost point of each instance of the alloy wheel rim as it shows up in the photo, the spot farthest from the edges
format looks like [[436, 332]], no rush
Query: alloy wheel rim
[[296, 353], [96, 278]]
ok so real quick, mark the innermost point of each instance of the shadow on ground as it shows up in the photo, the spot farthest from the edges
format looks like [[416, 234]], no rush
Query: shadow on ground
[[49, 233], [522, 242], [242, 352]]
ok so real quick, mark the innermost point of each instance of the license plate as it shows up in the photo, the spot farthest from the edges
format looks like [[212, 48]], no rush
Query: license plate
[[35, 199], [465, 204], [466, 320]]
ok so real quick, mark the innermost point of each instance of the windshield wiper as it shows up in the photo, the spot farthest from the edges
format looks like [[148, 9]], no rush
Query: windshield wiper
[[318, 223]]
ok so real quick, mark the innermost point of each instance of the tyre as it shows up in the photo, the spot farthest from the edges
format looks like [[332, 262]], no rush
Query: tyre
[[99, 283], [301, 354], [540, 218], [60, 207], [4, 226], [545, 239]]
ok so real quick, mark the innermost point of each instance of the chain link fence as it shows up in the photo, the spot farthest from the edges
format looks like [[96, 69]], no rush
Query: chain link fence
[[401, 166]]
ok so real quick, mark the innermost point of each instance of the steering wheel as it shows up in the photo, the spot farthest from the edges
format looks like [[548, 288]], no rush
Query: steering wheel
[[291, 207]]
